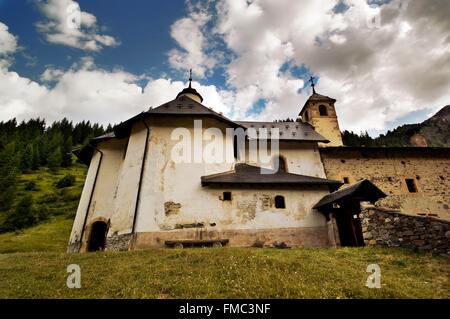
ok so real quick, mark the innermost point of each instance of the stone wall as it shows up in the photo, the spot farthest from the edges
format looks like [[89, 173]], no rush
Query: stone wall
[[388, 169], [393, 229], [118, 242]]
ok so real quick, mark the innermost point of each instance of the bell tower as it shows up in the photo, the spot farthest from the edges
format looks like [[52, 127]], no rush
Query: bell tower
[[319, 111]]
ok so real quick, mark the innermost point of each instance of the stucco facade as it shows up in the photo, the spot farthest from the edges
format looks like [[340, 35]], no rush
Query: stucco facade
[[151, 182], [172, 202]]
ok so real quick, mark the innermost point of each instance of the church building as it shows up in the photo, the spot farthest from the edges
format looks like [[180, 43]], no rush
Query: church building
[[138, 194]]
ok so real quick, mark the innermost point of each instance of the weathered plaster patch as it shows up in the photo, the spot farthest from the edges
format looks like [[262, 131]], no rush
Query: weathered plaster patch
[[171, 208]]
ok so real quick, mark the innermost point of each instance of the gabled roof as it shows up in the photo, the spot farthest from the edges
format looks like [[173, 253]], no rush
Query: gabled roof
[[364, 191], [181, 106], [315, 97], [289, 131], [245, 174]]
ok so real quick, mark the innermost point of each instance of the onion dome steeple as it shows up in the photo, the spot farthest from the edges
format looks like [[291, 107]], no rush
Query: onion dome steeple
[[191, 92]]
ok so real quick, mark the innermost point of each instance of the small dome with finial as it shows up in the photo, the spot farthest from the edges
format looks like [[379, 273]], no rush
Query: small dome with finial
[[191, 92]]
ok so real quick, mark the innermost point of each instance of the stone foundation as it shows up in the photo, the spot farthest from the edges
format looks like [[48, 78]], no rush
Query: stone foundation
[[118, 242], [382, 227], [292, 237]]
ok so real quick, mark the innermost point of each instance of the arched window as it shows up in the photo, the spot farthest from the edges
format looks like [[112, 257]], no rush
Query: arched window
[[279, 202], [282, 166], [323, 110]]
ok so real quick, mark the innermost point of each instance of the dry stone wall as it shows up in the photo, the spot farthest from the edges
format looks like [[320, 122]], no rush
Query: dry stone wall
[[393, 229]]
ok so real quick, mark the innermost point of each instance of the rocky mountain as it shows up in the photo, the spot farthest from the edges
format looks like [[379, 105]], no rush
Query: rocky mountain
[[434, 132]]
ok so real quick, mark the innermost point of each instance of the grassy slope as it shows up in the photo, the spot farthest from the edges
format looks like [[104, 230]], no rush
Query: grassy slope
[[52, 235], [226, 273], [59, 201], [33, 264]]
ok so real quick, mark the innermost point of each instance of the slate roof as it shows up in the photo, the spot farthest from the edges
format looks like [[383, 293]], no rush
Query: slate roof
[[289, 131], [181, 106], [245, 174], [363, 190]]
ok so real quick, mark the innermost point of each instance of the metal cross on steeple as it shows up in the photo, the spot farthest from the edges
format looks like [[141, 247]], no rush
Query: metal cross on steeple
[[312, 83]]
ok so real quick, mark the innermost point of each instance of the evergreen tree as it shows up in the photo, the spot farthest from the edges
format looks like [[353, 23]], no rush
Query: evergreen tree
[[44, 150], [67, 152], [26, 160], [20, 217], [36, 161], [54, 160], [8, 176]]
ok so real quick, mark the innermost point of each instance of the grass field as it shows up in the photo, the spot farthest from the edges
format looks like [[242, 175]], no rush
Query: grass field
[[225, 273], [33, 264]]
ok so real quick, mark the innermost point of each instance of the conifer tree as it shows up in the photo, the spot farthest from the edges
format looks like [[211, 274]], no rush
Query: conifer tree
[[8, 176], [54, 160], [66, 151], [36, 161], [26, 159]]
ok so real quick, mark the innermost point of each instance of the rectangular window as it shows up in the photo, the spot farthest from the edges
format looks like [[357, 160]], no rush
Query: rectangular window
[[226, 196], [411, 184], [346, 180]]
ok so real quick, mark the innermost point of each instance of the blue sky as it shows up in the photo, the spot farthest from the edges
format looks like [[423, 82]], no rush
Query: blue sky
[[142, 27], [251, 60]]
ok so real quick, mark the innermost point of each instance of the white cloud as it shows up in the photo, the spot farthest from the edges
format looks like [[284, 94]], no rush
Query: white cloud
[[66, 24], [51, 74], [190, 35], [8, 45], [378, 73], [87, 92]]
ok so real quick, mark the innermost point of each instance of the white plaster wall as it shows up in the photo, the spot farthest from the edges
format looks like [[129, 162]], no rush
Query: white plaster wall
[[302, 158], [102, 203], [128, 182], [102, 206], [180, 183], [164, 180], [84, 200]]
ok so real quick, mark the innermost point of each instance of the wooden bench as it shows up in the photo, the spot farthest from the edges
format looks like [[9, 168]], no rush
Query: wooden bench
[[196, 243]]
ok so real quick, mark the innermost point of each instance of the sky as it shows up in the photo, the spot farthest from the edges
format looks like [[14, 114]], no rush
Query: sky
[[387, 62]]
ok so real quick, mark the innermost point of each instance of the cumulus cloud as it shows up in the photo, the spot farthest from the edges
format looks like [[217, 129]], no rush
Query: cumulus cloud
[[381, 62], [191, 35], [8, 45], [66, 24], [86, 91]]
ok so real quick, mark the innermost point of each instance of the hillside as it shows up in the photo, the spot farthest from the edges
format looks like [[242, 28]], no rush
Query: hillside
[[435, 130], [48, 201]]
